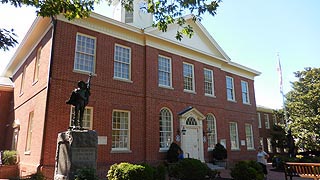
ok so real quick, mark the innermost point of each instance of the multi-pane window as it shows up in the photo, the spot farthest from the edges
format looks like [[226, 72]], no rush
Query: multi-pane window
[[122, 62], [261, 141], [85, 53], [37, 65], [166, 133], [208, 82], [29, 132], [188, 77], [245, 92], [234, 139], [211, 131], [230, 88], [87, 117], [164, 71], [191, 121], [249, 136], [270, 149], [120, 130], [267, 121], [23, 79], [259, 120], [128, 16]]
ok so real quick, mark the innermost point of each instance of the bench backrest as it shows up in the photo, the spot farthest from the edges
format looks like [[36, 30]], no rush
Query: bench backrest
[[302, 169]]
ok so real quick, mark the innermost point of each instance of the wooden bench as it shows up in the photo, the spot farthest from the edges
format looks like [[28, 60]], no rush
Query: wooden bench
[[305, 170]]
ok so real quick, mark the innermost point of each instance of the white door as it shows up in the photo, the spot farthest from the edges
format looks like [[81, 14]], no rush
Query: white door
[[191, 143]]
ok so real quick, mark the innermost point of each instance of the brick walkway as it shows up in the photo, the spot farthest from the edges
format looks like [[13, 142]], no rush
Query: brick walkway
[[272, 175]]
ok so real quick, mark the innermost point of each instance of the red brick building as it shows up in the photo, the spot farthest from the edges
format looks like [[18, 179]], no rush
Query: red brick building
[[147, 90]]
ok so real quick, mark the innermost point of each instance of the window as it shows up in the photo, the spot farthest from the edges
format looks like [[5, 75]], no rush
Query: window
[[269, 145], [166, 133], [267, 122], [23, 79], [188, 77], [275, 121], [230, 88], [259, 120], [85, 53], [87, 117], [261, 142], [245, 92], [15, 137], [37, 65], [208, 82], [122, 62], [120, 130], [234, 140], [29, 132], [249, 136], [164, 71], [128, 16], [211, 131], [191, 121]]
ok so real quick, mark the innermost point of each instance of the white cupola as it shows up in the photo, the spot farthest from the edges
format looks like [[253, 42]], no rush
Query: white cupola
[[139, 17]]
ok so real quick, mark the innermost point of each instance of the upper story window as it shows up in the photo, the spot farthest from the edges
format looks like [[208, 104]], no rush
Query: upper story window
[[230, 89], [87, 117], [234, 137], [267, 121], [259, 120], [85, 53], [120, 130], [164, 71], [37, 65], [208, 82], [166, 132], [245, 92], [188, 77], [23, 76], [128, 16], [122, 62], [211, 131]]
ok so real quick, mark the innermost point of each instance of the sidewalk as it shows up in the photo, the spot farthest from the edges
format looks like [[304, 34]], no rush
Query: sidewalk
[[272, 175]]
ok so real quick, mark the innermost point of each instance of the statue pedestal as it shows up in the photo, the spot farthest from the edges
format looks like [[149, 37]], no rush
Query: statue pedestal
[[76, 149]]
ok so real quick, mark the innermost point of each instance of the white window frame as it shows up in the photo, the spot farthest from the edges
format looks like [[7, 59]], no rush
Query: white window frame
[[267, 121], [230, 89], [259, 120], [245, 92], [167, 71], [249, 136], [165, 130], [186, 84], [211, 131], [85, 119], [127, 138], [78, 47], [270, 150], [261, 142], [23, 77], [122, 64], [234, 136], [208, 82], [37, 65], [29, 133]]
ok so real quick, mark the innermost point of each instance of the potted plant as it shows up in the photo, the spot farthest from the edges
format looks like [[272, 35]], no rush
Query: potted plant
[[219, 155], [9, 167]]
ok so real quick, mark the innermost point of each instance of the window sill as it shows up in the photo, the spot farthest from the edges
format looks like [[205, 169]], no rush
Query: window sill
[[235, 149], [230, 100], [123, 80], [246, 103], [210, 95], [27, 152], [189, 91], [163, 150], [84, 72], [20, 94], [166, 87], [121, 151], [35, 82]]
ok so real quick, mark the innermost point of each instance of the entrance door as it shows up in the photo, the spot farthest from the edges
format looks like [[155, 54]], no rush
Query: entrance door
[[191, 142]]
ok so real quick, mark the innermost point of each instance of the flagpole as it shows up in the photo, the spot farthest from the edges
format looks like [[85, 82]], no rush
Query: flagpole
[[282, 94]]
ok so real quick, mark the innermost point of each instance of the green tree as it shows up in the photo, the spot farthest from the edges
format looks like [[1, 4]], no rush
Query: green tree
[[303, 106], [165, 12]]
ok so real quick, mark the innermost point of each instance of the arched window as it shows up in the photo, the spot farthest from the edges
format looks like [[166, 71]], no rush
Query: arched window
[[166, 133], [191, 121], [211, 131]]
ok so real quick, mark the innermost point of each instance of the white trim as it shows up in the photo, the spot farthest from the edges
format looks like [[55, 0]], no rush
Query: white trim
[[94, 54], [233, 91], [237, 136], [170, 62], [172, 133], [193, 90], [119, 150], [247, 93], [212, 83], [130, 63]]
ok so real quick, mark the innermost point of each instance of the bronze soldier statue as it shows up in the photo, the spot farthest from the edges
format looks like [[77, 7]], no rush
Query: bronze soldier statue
[[79, 99]]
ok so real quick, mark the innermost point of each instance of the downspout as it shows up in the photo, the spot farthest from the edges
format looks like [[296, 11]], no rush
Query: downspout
[[53, 33]]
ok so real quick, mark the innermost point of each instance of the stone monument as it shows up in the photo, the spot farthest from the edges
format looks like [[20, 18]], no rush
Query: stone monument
[[76, 147]]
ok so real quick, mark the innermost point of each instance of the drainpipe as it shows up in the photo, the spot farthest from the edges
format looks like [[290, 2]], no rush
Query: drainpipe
[[54, 23]]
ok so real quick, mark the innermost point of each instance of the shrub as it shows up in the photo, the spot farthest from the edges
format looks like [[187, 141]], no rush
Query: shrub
[[219, 152], [9, 157], [126, 171], [190, 169], [247, 170], [85, 174]]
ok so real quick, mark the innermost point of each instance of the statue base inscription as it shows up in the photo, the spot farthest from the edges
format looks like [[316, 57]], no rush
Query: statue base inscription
[[76, 149]]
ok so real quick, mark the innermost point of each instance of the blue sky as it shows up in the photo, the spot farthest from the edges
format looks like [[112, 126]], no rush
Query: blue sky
[[251, 32]]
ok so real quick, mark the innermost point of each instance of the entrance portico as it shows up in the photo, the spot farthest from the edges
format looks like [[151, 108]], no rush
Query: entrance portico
[[192, 133]]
